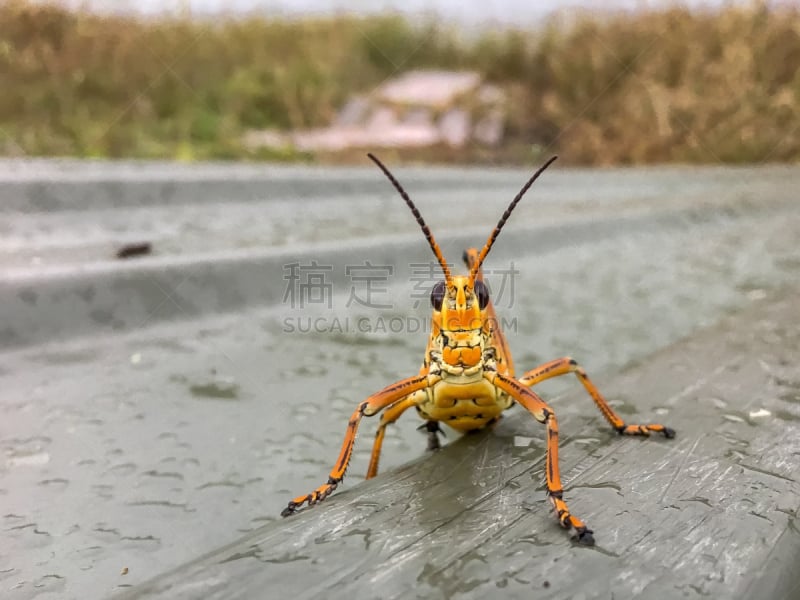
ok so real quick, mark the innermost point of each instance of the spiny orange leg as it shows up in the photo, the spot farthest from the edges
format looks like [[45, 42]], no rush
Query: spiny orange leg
[[389, 416], [544, 414], [562, 366], [369, 407]]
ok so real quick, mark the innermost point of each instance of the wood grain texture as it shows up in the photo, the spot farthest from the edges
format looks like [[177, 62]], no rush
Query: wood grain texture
[[712, 513]]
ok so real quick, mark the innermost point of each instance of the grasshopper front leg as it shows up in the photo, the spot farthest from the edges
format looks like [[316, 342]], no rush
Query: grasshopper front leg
[[544, 414], [368, 407]]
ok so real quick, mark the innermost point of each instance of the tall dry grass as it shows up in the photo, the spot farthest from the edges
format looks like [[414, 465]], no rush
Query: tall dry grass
[[650, 87]]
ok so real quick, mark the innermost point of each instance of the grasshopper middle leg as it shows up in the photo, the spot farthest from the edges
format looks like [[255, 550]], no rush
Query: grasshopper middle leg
[[389, 416]]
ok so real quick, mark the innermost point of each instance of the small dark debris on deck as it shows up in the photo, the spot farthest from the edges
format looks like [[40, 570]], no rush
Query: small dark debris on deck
[[134, 250]]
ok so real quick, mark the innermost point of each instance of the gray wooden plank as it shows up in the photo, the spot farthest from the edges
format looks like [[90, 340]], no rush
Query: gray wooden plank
[[711, 513]]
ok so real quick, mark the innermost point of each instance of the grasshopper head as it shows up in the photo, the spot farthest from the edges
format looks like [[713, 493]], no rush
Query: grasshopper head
[[459, 303], [459, 315]]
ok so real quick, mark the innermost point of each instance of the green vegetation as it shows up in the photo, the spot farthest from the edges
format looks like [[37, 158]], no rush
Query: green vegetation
[[653, 87]]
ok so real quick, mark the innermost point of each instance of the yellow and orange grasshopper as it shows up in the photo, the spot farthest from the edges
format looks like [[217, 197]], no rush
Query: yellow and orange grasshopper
[[467, 377]]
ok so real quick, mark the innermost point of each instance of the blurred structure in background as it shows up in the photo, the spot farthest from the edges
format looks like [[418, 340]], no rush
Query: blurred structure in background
[[417, 109], [715, 84]]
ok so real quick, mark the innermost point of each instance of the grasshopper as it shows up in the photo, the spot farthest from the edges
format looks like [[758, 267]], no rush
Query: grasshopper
[[467, 377]]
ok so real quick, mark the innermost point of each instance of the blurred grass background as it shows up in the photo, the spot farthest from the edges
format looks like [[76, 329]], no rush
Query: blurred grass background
[[649, 87]]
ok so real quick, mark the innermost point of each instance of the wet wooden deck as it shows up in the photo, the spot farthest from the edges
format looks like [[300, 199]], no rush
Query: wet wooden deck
[[712, 513]]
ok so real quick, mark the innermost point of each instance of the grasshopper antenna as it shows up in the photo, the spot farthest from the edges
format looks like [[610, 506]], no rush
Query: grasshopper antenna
[[490, 242], [420, 221]]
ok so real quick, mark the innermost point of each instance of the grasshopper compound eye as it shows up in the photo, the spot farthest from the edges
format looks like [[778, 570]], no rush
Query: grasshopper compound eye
[[482, 292], [437, 295]]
